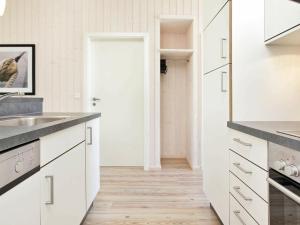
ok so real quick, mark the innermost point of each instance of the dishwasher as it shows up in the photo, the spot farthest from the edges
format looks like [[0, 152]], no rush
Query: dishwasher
[[20, 185]]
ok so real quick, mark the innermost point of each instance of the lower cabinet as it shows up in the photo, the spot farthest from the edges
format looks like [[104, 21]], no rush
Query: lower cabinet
[[92, 160], [215, 153], [21, 204], [63, 189]]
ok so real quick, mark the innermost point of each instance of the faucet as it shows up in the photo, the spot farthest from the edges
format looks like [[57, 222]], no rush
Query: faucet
[[7, 95]]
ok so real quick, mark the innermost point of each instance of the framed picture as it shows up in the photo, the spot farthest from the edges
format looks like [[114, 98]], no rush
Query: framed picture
[[17, 68]]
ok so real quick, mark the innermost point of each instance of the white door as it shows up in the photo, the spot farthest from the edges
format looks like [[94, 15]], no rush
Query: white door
[[216, 42], [21, 204], [215, 135], [63, 189], [92, 154], [117, 68], [211, 9]]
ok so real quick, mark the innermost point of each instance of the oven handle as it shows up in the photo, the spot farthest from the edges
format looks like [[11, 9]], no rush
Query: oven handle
[[284, 190]]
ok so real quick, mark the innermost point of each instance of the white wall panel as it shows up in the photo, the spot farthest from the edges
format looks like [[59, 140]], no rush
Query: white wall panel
[[57, 27]]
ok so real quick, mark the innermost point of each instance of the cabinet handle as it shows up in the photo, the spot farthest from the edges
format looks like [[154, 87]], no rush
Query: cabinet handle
[[223, 52], [238, 165], [51, 182], [237, 214], [242, 142], [237, 189], [223, 84], [91, 135]]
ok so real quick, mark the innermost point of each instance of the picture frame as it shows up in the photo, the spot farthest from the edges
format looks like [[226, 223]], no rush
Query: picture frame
[[17, 68]]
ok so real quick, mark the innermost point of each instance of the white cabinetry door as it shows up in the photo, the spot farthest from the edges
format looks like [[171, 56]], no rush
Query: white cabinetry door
[[210, 9], [21, 204], [215, 136], [216, 42], [63, 189], [280, 16], [92, 160]]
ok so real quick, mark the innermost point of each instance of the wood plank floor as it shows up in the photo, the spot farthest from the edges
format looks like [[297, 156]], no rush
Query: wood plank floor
[[132, 196]]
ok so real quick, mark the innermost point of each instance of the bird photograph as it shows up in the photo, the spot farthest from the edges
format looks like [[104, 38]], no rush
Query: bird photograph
[[13, 69]]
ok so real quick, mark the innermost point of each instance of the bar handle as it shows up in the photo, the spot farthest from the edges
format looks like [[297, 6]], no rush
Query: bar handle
[[242, 142], [51, 188], [238, 190], [91, 135], [237, 214], [238, 165], [284, 190], [223, 83], [223, 51]]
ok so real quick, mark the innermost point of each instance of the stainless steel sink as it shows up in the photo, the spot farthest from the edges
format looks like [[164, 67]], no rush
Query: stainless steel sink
[[30, 121]]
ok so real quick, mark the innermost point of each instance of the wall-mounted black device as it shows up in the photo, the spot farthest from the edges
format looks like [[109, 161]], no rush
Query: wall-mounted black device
[[163, 66]]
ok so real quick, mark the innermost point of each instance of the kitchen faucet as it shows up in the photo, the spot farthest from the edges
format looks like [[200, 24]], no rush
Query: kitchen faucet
[[7, 95]]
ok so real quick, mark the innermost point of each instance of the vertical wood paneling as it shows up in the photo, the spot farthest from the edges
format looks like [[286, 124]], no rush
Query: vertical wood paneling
[[57, 28]]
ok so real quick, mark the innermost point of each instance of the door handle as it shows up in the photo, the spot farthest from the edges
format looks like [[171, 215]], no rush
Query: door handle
[[223, 84], [94, 99], [242, 142], [223, 52], [91, 135], [51, 188]]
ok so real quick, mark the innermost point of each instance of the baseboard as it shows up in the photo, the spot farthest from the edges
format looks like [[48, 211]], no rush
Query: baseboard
[[213, 209], [87, 212], [154, 168]]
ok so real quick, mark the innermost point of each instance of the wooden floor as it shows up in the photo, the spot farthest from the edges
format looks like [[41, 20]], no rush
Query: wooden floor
[[132, 196]]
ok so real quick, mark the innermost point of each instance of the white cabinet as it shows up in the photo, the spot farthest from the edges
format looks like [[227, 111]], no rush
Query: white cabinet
[[92, 160], [282, 19], [63, 189], [210, 9], [215, 131], [216, 42], [22, 203]]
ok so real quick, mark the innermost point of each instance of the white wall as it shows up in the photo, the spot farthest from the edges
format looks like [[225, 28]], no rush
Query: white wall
[[266, 80], [57, 27]]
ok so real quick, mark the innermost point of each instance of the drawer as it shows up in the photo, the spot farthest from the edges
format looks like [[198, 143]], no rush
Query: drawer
[[55, 144], [238, 214], [250, 201], [250, 174], [251, 148]]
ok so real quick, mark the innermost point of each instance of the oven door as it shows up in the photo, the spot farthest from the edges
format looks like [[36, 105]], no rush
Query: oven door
[[284, 200]]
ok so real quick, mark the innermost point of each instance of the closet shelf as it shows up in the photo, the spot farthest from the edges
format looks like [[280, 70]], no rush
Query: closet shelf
[[176, 53]]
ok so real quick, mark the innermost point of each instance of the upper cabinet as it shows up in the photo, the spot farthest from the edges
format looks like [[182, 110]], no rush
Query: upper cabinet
[[282, 22], [211, 9], [216, 42]]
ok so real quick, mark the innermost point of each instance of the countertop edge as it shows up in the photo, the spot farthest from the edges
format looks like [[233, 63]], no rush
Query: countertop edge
[[19, 139], [276, 138]]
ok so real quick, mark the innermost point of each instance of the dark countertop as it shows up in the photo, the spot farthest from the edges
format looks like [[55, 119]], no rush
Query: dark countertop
[[17, 135], [267, 130]]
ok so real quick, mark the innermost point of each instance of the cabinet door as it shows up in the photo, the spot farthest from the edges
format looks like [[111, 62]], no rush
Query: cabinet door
[[215, 148], [280, 16], [211, 9], [92, 160], [216, 42], [21, 204], [63, 189]]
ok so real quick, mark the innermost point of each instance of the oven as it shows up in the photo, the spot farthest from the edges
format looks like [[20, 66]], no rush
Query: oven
[[284, 185]]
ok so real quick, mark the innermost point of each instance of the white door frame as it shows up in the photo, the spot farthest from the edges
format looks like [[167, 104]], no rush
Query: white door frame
[[89, 37]]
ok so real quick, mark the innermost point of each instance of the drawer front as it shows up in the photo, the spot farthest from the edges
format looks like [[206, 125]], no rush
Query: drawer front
[[250, 174], [251, 148], [250, 201], [57, 143], [238, 214]]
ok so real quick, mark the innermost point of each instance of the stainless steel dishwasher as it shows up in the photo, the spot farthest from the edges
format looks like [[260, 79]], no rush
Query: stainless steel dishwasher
[[20, 185]]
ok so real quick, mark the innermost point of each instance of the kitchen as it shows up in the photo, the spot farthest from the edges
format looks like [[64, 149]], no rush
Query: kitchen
[[201, 125]]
